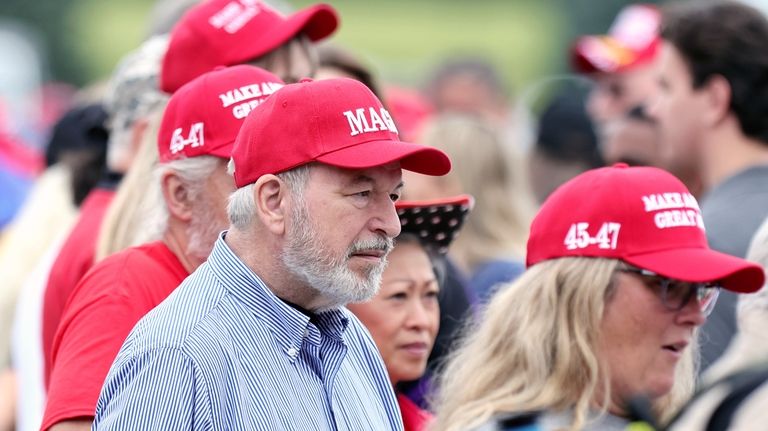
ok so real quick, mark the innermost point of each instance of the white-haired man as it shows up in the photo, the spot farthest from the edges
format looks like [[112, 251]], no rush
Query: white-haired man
[[132, 97], [195, 140], [257, 337]]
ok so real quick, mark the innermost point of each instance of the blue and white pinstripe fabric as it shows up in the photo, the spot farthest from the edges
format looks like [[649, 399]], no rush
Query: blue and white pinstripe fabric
[[224, 353]]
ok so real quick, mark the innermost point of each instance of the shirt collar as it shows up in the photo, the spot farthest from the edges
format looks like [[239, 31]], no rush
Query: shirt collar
[[289, 325]]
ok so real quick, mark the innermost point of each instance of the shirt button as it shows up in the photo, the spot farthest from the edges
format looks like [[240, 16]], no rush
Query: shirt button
[[292, 352]]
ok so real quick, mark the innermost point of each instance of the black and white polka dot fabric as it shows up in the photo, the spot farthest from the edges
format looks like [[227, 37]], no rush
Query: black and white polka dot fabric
[[435, 222]]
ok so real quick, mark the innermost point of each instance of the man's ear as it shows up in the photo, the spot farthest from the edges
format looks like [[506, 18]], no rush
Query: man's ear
[[270, 194], [177, 196], [718, 99]]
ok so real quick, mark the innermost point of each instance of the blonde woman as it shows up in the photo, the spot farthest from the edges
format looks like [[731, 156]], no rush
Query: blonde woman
[[491, 247], [620, 277]]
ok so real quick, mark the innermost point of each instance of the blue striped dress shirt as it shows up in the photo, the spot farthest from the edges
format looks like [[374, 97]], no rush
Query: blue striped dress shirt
[[222, 352]]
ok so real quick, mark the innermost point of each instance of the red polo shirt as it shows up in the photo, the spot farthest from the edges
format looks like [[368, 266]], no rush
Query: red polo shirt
[[100, 313], [74, 260]]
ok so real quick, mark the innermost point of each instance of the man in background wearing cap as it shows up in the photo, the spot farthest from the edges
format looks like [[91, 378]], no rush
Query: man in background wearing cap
[[257, 337], [132, 96], [712, 112], [621, 63], [229, 32], [195, 141], [623, 66]]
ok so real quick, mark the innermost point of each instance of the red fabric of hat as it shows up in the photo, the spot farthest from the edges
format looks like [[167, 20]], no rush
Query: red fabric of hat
[[641, 215], [204, 116], [339, 122], [228, 32], [632, 40]]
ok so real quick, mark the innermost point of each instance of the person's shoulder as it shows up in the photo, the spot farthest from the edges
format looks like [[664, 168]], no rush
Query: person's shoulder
[[498, 269], [111, 275], [735, 401], [486, 279], [747, 183], [172, 323]]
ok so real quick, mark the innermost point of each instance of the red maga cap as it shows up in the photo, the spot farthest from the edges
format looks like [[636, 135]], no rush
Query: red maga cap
[[338, 122], [632, 40], [228, 32], [204, 116], [641, 215]]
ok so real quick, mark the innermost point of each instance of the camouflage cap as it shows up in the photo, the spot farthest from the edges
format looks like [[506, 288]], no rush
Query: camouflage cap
[[133, 89]]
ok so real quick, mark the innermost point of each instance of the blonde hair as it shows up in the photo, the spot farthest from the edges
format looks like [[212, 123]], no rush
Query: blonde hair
[[535, 349], [125, 221], [492, 171]]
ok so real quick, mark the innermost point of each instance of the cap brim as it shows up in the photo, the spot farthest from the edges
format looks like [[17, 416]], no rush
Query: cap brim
[[605, 54], [592, 54], [317, 22], [463, 200], [434, 222], [413, 157], [701, 264]]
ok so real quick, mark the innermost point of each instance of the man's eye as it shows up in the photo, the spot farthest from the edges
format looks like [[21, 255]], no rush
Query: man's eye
[[363, 194], [395, 197]]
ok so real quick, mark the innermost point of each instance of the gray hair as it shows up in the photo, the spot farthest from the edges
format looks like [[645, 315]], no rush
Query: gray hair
[[242, 206], [193, 171], [132, 94]]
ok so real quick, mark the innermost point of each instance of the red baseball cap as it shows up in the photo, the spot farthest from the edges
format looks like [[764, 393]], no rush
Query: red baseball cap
[[410, 109], [641, 215], [228, 32], [204, 116], [632, 40], [338, 122]]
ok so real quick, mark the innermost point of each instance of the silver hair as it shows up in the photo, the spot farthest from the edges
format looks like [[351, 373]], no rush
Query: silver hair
[[241, 207], [194, 171]]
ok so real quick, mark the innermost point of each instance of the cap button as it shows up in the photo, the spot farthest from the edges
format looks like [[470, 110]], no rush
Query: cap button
[[303, 80], [620, 165]]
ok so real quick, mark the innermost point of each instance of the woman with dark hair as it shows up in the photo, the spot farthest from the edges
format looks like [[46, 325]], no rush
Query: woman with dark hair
[[404, 316]]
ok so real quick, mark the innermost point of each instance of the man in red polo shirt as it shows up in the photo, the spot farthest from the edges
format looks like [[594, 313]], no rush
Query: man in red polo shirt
[[195, 141], [132, 97]]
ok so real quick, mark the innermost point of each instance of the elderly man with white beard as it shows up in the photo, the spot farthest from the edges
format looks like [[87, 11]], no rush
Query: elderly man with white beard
[[195, 141], [257, 337]]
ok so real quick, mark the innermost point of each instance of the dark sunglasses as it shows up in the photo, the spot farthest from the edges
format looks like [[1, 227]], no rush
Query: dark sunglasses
[[676, 294]]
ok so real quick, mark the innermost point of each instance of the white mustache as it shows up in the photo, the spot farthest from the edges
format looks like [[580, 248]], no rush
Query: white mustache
[[384, 244]]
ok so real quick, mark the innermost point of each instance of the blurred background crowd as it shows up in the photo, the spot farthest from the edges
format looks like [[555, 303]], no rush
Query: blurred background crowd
[[522, 95]]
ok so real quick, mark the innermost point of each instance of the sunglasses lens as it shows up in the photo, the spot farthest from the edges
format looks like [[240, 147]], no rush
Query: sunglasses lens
[[707, 297], [676, 293]]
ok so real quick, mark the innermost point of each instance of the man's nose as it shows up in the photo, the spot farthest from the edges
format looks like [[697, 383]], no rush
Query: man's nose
[[386, 219]]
